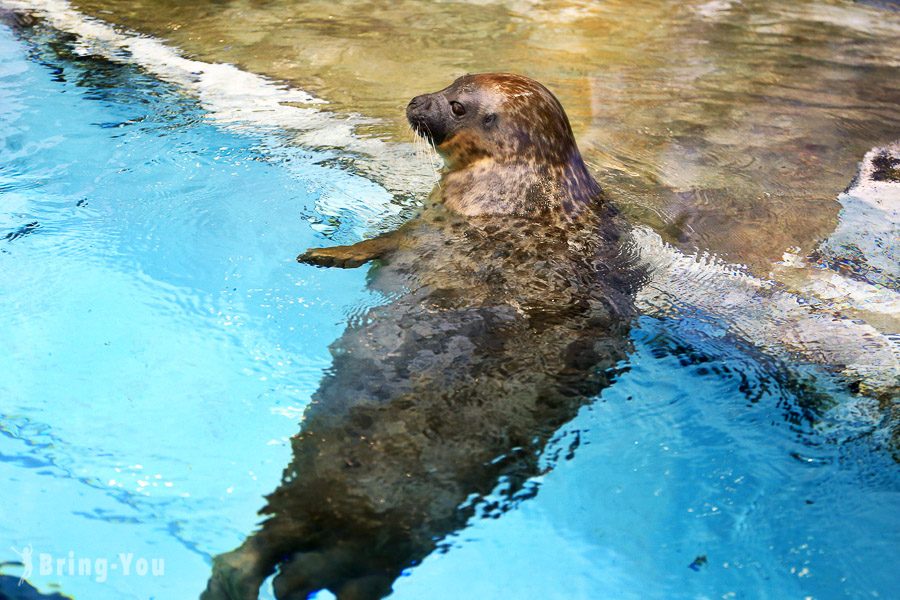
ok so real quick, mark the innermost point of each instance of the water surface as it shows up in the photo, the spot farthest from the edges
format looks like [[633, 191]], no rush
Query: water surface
[[730, 126], [160, 344]]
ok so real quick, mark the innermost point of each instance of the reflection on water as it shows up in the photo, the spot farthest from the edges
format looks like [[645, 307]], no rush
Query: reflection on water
[[731, 126], [146, 272]]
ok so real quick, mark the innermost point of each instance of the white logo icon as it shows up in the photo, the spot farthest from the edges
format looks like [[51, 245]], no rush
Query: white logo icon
[[25, 554]]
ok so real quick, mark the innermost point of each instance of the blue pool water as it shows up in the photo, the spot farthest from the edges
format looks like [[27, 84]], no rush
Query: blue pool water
[[159, 344]]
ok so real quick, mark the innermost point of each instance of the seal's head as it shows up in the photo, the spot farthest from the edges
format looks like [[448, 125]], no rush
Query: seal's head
[[507, 145]]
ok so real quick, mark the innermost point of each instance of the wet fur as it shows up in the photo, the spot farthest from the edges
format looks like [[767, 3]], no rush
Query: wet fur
[[499, 330], [523, 162]]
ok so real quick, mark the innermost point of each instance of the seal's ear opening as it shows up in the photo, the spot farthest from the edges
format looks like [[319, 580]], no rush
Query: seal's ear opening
[[489, 120]]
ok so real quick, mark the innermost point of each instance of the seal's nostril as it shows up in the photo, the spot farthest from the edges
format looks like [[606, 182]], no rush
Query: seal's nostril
[[422, 102]]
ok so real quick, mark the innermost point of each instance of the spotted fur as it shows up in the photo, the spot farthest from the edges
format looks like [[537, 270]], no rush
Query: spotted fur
[[511, 152]]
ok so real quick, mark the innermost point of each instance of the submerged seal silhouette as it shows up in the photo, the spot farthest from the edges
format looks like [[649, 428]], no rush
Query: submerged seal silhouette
[[511, 305]]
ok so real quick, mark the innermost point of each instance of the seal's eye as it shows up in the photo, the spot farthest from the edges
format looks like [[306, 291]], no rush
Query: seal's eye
[[458, 109]]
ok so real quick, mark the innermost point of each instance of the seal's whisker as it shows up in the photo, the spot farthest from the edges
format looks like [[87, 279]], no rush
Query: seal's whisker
[[415, 140], [434, 166], [418, 142], [423, 151]]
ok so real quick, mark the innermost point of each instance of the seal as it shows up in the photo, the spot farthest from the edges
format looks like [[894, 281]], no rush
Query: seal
[[508, 149], [511, 302], [507, 145]]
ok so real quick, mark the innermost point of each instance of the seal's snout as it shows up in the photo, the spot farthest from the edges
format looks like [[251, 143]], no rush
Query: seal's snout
[[418, 103], [423, 114], [417, 112]]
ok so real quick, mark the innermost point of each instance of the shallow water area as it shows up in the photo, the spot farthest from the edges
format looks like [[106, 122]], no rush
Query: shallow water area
[[160, 344], [123, 338], [729, 126]]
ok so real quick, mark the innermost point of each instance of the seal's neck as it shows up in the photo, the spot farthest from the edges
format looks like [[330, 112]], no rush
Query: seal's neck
[[521, 188]]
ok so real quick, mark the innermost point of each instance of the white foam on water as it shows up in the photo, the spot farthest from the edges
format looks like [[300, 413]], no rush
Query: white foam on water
[[764, 313], [866, 240], [237, 99]]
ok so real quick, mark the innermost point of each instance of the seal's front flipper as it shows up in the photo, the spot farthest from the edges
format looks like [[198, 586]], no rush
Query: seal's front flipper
[[348, 257], [236, 575]]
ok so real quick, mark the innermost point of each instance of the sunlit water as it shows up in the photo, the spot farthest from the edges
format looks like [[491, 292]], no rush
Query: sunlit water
[[160, 344], [729, 125]]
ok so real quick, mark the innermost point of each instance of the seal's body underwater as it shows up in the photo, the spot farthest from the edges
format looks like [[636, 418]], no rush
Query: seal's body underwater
[[511, 303]]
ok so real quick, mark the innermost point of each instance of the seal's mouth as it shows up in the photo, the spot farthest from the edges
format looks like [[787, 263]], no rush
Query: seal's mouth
[[424, 116], [420, 126]]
